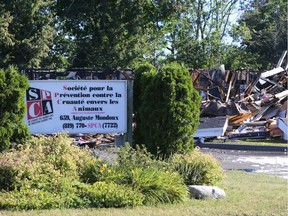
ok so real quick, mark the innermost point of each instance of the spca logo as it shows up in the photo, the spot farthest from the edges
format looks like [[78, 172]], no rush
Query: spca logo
[[39, 104]]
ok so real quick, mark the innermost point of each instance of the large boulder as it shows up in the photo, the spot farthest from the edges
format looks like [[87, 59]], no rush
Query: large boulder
[[201, 192]]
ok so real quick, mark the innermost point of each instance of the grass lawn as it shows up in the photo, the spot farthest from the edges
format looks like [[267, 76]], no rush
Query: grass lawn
[[247, 194], [263, 142]]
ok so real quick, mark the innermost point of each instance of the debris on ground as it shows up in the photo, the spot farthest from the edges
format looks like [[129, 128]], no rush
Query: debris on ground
[[93, 140], [254, 102]]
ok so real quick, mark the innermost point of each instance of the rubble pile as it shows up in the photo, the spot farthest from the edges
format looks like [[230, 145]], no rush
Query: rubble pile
[[243, 104], [93, 140]]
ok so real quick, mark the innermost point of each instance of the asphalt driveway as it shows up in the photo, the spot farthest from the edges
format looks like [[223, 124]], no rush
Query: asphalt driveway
[[271, 163]]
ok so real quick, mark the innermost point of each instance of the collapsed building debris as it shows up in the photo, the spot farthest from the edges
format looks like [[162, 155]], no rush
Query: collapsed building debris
[[93, 140], [255, 103]]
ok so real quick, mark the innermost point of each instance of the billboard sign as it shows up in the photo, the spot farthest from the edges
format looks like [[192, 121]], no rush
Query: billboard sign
[[76, 106]]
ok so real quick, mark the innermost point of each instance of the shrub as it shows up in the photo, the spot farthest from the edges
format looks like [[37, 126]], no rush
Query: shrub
[[74, 195], [168, 113], [7, 177], [138, 157], [159, 186], [42, 163], [71, 194], [143, 76], [12, 108], [26, 199], [102, 194], [129, 159], [138, 169], [95, 170], [47, 172], [197, 168]]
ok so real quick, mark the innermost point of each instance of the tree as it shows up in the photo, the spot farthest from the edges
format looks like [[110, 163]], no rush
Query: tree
[[26, 32], [12, 108], [262, 30], [169, 111], [62, 50], [144, 74], [197, 32], [237, 57], [112, 33]]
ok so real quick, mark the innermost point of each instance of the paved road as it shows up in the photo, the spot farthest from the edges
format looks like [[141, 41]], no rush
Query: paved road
[[272, 163]]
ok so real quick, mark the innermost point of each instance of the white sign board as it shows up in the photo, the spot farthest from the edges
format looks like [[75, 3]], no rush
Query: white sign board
[[76, 106]]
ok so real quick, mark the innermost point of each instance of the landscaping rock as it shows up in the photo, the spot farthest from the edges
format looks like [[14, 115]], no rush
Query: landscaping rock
[[201, 192]]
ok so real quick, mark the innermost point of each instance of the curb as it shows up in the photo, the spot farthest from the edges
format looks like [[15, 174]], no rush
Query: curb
[[283, 149]]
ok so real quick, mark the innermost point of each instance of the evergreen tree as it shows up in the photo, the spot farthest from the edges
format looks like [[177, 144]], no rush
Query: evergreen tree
[[26, 32], [143, 76], [12, 108], [263, 31], [169, 111]]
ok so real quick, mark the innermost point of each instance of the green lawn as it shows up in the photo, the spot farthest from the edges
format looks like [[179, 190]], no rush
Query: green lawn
[[263, 142], [247, 194]]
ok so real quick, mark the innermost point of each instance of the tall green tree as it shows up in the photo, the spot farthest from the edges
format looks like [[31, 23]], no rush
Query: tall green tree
[[169, 111], [26, 32], [110, 33], [63, 48], [196, 34], [12, 108], [262, 30]]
